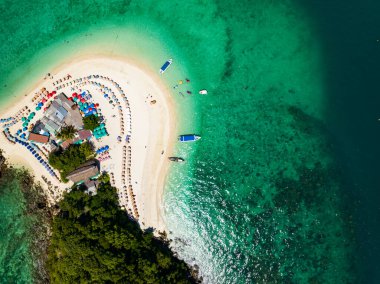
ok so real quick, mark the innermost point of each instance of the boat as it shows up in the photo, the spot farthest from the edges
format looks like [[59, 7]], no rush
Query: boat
[[188, 138], [166, 66], [176, 159], [203, 92]]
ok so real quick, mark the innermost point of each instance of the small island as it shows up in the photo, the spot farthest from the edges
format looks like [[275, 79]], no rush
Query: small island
[[76, 125], [93, 141]]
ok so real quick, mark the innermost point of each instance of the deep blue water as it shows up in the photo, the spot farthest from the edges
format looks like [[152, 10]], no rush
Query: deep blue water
[[350, 37]]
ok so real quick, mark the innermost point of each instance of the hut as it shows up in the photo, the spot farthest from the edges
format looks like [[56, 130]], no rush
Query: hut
[[84, 172]]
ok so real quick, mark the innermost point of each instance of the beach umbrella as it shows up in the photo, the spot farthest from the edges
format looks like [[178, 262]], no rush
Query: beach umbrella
[[43, 100], [54, 92]]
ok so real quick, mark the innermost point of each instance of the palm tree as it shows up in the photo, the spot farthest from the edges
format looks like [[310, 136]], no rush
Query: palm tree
[[67, 132]]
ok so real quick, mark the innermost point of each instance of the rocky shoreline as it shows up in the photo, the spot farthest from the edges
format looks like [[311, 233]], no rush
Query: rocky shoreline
[[37, 210]]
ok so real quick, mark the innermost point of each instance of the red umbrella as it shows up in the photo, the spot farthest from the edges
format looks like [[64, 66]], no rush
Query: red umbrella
[[75, 94], [43, 100], [96, 105], [82, 100], [90, 109], [54, 92], [70, 98]]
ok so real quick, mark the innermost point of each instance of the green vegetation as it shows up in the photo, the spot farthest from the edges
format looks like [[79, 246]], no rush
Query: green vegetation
[[104, 178], [68, 160], [91, 122], [67, 132], [94, 241]]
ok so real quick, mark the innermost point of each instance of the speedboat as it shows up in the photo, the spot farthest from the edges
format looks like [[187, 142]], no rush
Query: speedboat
[[176, 159], [203, 92], [188, 138], [166, 66]]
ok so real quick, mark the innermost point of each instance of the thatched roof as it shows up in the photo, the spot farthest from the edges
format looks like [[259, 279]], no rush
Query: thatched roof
[[84, 172]]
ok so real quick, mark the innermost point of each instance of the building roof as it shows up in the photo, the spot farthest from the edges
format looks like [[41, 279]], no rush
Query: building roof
[[84, 134], [56, 112], [66, 143], [50, 125], [64, 101], [63, 111], [91, 186], [38, 138], [84, 172], [74, 118]]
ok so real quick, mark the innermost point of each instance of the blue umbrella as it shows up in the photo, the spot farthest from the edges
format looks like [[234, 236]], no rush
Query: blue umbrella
[[40, 104]]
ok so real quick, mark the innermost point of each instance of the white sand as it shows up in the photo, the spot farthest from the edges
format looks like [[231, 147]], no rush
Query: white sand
[[153, 130]]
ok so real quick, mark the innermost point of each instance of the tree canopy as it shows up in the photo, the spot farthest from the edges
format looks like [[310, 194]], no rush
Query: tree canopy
[[91, 122], [94, 241], [68, 160], [67, 132]]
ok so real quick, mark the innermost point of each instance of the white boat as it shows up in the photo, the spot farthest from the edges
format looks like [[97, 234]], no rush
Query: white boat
[[165, 66], [203, 92]]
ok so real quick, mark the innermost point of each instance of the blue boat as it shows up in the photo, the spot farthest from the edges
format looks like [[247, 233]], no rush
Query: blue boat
[[188, 138], [166, 66]]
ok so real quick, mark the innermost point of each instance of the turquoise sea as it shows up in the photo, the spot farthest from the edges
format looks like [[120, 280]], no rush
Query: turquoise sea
[[283, 186]]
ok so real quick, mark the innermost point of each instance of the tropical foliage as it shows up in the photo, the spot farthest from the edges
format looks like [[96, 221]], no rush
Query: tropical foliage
[[94, 241], [91, 122], [68, 160], [104, 178], [67, 132]]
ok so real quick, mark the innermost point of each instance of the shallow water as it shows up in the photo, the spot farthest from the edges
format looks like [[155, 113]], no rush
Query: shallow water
[[16, 262], [266, 195]]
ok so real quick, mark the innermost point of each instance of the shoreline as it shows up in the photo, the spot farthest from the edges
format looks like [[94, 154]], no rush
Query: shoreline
[[159, 119]]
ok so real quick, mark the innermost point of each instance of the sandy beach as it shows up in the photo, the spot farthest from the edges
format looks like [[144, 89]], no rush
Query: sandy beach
[[147, 117]]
